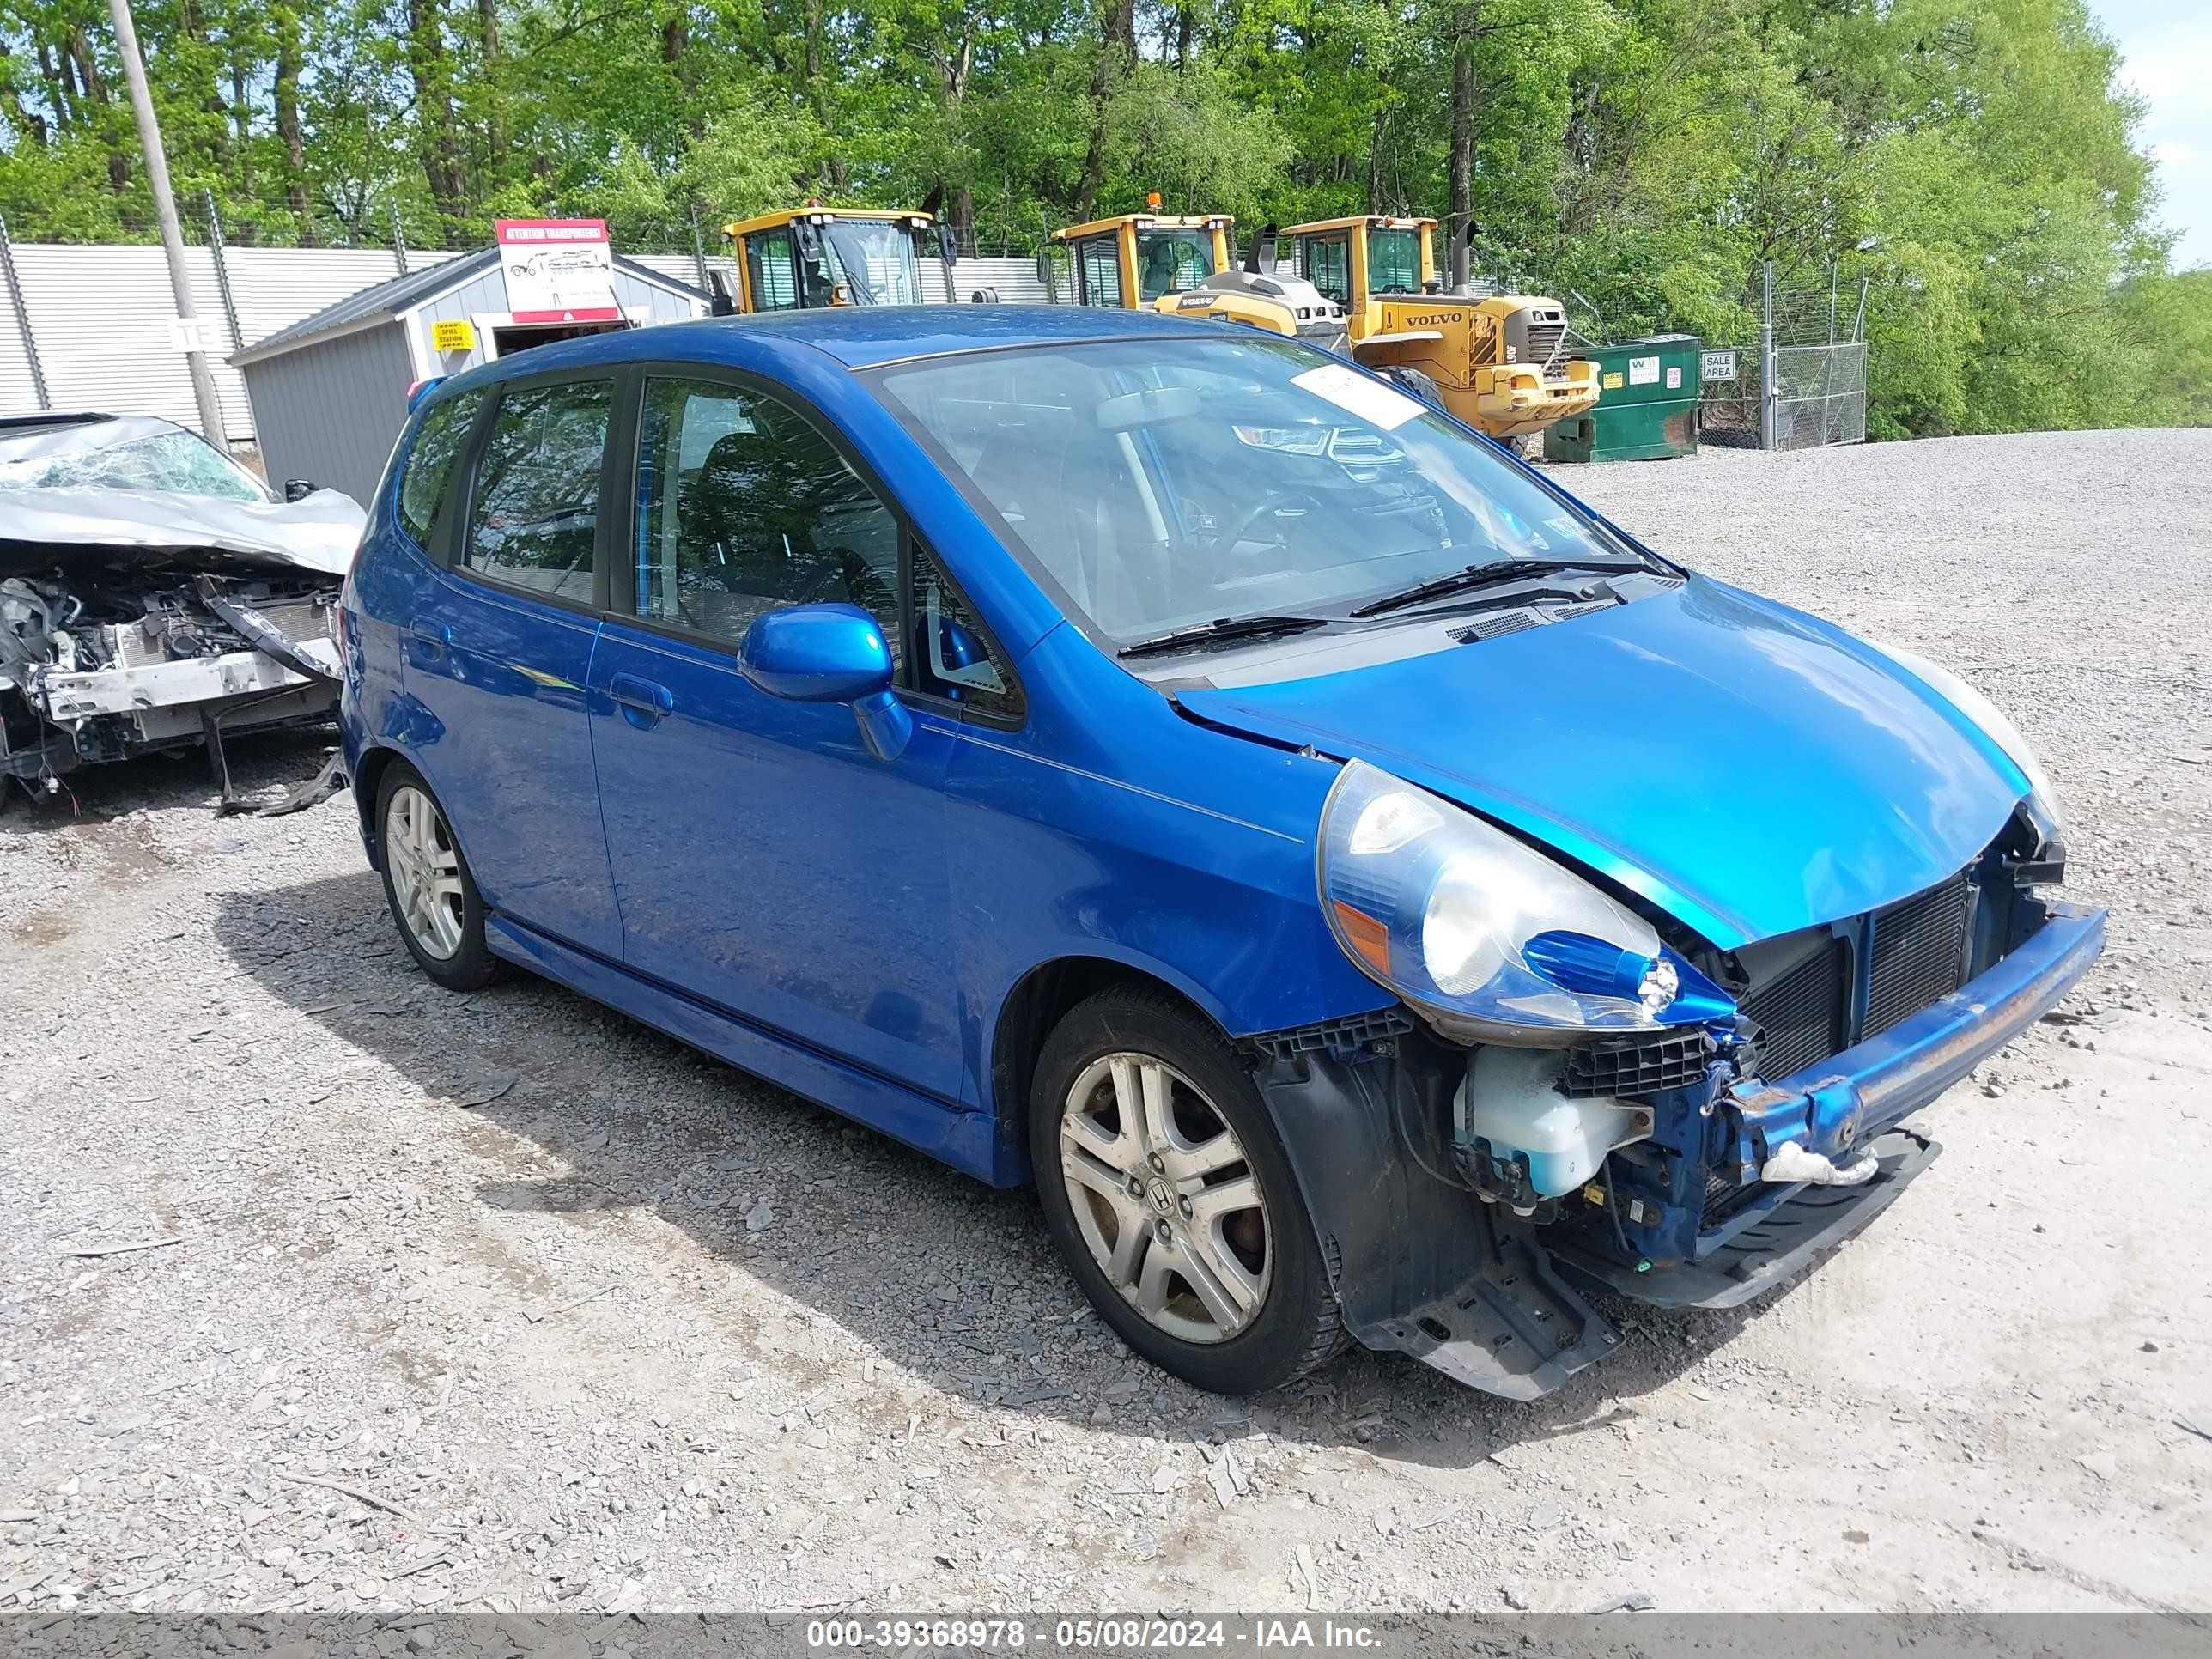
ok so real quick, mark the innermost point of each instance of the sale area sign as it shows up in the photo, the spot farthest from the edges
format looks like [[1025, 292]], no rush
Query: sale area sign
[[558, 271]]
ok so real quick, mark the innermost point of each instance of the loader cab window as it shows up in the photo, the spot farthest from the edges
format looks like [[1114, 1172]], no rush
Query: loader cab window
[[1170, 261], [1328, 261], [772, 269], [875, 260], [1394, 262], [1098, 273]]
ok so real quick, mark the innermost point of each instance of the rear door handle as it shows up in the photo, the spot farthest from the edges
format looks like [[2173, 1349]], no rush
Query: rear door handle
[[435, 636], [645, 703]]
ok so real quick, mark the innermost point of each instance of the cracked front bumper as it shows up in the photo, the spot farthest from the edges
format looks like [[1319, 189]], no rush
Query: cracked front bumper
[[1780, 1242], [1832, 1107], [1843, 1108]]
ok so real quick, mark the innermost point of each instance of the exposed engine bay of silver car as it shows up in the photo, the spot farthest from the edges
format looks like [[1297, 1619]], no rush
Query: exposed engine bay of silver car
[[133, 623]]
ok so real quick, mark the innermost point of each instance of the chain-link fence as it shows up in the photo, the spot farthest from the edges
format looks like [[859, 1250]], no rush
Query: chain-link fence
[[1803, 383], [1820, 395]]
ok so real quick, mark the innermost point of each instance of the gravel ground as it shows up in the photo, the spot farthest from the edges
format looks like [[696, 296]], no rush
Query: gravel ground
[[503, 1301]]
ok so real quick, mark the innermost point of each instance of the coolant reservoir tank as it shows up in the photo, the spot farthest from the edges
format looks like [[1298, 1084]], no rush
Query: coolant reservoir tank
[[1511, 1098]]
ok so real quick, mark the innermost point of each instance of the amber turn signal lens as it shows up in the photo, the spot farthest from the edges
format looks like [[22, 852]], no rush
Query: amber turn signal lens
[[1364, 934]]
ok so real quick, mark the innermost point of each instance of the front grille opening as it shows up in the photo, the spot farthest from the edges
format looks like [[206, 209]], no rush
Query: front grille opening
[[1919, 953], [1801, 1012], [1545, 343]]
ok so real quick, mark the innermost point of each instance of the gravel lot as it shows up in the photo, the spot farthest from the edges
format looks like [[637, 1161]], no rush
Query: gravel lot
[[504, 1301]]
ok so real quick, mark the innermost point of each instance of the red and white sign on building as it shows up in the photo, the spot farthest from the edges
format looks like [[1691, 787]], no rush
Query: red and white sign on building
[[558, 271]]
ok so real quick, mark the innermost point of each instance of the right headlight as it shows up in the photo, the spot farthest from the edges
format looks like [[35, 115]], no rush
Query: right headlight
[[1492, 939]]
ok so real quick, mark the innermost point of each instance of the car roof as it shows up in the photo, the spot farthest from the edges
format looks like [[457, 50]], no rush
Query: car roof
[[84, 429], [859, 337], [50, 418]]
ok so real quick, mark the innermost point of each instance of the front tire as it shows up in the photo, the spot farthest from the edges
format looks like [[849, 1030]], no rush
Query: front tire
[[427, 883], [1417, 383], [1170, 1195]]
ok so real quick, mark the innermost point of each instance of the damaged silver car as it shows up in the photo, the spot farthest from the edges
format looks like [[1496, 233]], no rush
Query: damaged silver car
[[155, 595]]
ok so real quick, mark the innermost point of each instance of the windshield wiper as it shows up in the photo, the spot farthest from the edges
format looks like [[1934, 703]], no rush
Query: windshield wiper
[[1485, 575], [1226, 628]]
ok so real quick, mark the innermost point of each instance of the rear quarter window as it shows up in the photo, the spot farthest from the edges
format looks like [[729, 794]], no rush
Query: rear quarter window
[[438, 444]]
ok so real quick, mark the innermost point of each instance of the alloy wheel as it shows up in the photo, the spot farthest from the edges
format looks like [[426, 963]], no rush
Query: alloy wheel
[[1167, 1202], [426, 872]]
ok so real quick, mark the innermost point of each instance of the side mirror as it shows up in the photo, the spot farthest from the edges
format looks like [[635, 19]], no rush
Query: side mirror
[[1045, 268], [830, 653], [948, 246], [297, 490], [719, 302]]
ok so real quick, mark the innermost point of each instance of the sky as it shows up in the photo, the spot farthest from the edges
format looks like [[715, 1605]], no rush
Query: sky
[[2167, 46]]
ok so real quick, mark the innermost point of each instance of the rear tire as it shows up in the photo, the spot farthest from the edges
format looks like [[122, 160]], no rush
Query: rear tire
[[434, 898], [1170, 1195]]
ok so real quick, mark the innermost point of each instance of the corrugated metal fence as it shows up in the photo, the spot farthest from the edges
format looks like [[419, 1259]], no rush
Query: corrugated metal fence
[[99, 315], [100, 319]]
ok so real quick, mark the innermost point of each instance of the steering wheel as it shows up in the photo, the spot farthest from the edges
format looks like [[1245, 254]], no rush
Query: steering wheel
[[1274, 503]]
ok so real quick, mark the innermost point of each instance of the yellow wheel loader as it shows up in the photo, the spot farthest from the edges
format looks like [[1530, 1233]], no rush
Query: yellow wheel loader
[[816, 256], [1499, 364], [1180, 267], [1129, 262]]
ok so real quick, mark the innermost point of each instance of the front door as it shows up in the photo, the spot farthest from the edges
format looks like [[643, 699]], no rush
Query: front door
[[499, 655], [764, 861], [1327, 263], [1099, 271]]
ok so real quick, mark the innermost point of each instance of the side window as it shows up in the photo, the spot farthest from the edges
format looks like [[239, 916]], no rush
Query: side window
[[743, 506], [430, 462], [1099, 263], [772, 269], [953, 658], [1328, 268], [534, 514]]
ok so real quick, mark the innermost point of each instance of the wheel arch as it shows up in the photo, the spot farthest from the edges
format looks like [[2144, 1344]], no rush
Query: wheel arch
[[1039, 1001], [369, 772]]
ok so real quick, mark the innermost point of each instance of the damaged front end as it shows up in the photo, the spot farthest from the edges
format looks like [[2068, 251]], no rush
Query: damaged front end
[[136, 622], [1511, 1167], [104, 669]]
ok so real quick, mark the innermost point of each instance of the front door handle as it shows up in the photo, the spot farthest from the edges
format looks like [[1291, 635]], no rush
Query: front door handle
[[645, 703], [434, 637]]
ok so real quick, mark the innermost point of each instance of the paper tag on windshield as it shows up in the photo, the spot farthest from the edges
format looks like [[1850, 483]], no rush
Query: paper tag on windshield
[[1361, 395]]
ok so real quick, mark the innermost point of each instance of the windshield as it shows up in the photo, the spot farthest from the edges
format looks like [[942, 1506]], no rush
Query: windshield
[[1170, 261], [1394, 262], [1245, 477], [125, 454], [876, 261]]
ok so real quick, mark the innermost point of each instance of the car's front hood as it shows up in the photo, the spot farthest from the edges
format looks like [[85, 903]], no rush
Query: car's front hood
[[1749, 769], [40, 529]]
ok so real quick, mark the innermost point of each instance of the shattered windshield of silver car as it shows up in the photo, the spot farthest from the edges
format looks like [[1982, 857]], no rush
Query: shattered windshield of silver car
[[138, 453]]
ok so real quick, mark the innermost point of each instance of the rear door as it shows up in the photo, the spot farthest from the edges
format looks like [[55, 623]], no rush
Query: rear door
[[765, 861], [499, 654]]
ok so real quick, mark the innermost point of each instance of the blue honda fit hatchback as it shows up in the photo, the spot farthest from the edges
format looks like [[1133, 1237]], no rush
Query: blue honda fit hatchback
[[1372, 894]]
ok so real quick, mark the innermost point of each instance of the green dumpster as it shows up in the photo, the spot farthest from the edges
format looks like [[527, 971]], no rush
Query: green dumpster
[[1647, 404]]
